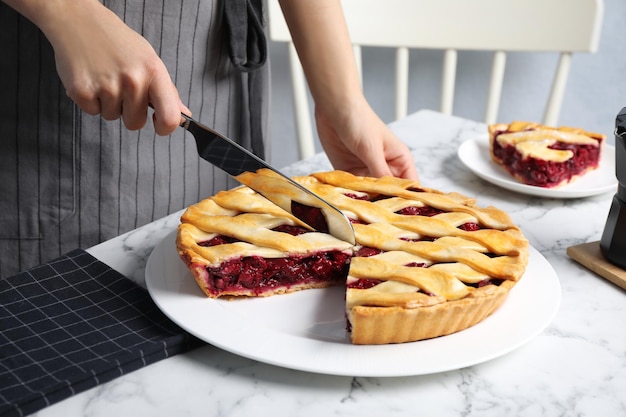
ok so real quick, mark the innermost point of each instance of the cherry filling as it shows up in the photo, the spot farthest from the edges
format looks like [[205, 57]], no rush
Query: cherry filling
[[429, 212], [265, 274], [218, 240], [543, 173], [310, 215], [485, 282], [292, 230], [363, 284], [366, 251], [419, 211], [470, 227]]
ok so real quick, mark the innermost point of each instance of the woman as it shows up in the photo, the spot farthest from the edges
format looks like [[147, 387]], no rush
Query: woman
[[79, 163]]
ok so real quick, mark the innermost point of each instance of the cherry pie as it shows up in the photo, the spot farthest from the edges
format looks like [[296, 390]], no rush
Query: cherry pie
[[426, 263], [544, 156]]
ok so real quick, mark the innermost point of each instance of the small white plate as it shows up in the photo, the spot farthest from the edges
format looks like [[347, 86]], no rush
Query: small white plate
[[474, 153], [306, 330]]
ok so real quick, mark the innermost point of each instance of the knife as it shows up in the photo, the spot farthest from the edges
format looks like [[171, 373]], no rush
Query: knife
[[292, 197]]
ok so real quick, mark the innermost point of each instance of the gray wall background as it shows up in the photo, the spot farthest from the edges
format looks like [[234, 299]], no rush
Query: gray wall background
[[596, 89]]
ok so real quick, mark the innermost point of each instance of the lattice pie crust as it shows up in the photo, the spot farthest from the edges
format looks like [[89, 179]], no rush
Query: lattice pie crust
[[426, 264]]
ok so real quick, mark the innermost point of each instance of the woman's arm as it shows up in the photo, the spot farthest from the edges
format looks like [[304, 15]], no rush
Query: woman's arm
[[352, 135], [106, 67]]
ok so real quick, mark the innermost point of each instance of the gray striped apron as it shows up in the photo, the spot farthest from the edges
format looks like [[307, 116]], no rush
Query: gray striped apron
[[70, 180]]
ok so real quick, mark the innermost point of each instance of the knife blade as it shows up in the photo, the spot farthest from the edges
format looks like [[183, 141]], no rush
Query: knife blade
[[289, 195]]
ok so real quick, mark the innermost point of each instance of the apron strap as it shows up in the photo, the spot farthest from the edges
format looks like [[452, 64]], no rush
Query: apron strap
[[248, 53], [246, 34]]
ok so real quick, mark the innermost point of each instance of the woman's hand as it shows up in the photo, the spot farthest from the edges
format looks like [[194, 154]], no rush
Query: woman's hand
[[352, 135], [106, 67], [356, 140]]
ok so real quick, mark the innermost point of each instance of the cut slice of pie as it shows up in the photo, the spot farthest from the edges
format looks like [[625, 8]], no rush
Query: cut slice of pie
[[426, 263], [237, 243], [544, 156]]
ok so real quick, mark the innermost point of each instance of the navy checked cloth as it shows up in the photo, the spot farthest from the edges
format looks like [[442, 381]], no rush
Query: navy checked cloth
[[74, 323]]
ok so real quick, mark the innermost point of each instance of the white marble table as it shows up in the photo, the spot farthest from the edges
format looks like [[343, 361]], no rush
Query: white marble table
[[575, 367]]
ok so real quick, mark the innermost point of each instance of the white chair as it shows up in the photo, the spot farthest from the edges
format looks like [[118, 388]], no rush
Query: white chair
[[561, 26]]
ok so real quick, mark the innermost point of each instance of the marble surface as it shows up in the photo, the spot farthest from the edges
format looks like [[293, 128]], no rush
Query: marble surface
[[575, 367]]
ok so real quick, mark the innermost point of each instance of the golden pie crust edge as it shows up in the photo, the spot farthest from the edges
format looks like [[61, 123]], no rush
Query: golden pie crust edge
[[387, 325]]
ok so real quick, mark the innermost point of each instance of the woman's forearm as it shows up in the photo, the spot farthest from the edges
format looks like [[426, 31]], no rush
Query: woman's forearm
[[46, 14], [353, 136], [320, 35]]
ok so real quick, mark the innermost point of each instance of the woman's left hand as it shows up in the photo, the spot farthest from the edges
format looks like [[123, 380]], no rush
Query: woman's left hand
[[353, 136], [358, 141]]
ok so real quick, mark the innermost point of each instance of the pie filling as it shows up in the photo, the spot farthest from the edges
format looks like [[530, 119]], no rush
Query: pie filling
[[257, 275], [546, 173], [310, 215], [264, 275]]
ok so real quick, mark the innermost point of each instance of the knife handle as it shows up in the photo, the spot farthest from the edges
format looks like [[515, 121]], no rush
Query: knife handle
[[184, 119]]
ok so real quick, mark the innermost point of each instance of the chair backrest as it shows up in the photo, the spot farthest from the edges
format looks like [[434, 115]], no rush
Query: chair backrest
[[561, 26]]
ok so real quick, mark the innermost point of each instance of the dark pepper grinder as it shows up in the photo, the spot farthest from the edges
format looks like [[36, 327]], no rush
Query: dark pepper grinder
[[613, 242]]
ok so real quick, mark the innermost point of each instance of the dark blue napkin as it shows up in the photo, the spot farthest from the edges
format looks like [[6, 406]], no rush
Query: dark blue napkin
[[72, 324]]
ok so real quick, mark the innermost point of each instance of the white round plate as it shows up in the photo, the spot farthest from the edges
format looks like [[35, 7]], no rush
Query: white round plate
[[474, 153], [306, 330]]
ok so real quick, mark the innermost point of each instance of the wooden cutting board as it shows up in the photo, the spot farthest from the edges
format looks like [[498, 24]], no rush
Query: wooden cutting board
[[590, 256]]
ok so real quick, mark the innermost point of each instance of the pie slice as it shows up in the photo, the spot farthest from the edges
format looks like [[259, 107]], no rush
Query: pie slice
[[544, 156], [426, 263], [237, 243]]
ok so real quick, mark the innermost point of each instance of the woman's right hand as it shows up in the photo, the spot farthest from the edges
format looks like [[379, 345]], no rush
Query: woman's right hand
[[106, 67]]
